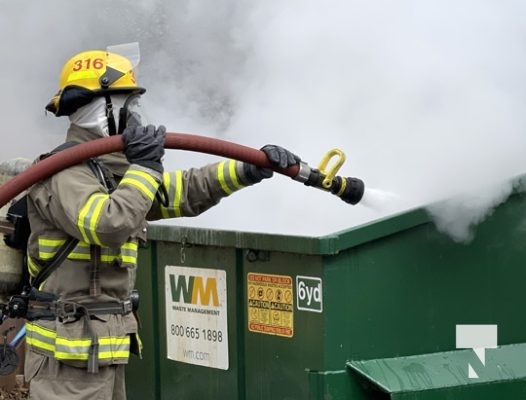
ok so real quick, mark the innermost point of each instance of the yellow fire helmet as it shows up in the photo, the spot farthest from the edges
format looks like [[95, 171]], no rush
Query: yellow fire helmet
[[90, 74]]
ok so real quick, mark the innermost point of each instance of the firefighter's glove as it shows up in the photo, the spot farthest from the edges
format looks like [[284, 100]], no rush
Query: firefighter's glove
[[144, 145], [278, 156]]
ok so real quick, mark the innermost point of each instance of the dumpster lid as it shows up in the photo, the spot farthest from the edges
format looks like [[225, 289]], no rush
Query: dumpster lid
[[323, 245], [443, 370]]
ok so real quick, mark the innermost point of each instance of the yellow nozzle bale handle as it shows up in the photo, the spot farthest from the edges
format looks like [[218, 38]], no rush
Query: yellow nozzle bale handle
[[331, 173]]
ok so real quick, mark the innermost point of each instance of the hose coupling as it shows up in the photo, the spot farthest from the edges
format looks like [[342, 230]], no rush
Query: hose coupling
[[303, 173]]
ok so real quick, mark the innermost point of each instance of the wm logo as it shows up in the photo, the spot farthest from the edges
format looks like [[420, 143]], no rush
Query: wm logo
[[194, 290]]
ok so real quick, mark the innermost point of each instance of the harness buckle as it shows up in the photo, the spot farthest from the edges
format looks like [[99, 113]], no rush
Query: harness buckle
[[66, 310], [127, 306]]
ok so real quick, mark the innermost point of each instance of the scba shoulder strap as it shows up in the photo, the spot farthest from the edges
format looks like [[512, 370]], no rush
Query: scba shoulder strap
[[55, 262]]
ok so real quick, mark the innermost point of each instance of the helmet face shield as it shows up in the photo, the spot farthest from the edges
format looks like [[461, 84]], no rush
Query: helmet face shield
[[121, 61], [123, 56]]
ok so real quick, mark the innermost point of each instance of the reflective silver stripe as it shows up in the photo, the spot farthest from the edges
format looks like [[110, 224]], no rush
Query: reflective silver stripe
[[47, 341], [32, 267], [226, 174], [142, 181], [173, 182], [47, 247], [80, 252], [69, 349], [168, 179], [78, 349], [127, 253], [89, 216], [47, 250], [41, 338], [233, 175], [108, 254], [114, 347]]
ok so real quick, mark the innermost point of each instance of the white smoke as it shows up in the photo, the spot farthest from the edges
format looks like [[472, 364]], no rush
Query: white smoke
[[425, 98], [472, 209]]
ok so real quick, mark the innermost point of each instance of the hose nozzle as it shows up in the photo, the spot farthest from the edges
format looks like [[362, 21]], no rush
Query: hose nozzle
[[348, 189]]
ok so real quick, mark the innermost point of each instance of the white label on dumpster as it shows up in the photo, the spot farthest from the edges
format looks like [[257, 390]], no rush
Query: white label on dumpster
[[309, 293], [196, 316]]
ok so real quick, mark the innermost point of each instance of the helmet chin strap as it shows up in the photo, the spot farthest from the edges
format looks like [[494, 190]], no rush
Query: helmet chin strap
[[122, 104], [126, 116], [115, 118], [112, 126]]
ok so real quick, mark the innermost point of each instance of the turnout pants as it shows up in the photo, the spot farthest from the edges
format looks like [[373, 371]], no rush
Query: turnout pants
[[50, 379]]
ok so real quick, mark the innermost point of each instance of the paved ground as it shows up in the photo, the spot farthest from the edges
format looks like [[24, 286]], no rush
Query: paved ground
[[15, 394]]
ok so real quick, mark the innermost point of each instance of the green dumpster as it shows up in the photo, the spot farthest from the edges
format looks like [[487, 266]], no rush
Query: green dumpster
[[367, 313]]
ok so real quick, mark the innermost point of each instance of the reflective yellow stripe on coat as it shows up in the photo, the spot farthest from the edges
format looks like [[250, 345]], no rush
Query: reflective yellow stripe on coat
[[89, 217], [62, 348], [173, 183], [48, 248], [142, 181], [226, 174]]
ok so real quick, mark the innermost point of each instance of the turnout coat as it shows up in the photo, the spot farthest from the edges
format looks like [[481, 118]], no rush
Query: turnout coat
[[109, 223]]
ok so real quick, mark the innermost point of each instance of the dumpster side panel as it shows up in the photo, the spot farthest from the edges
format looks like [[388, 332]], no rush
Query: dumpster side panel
[[393, 289], [404, 294], [276, 366], [145, 371], [341, 385], [181, 380]]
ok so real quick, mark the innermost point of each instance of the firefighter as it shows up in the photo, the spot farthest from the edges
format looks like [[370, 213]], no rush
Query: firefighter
[[87, 222]]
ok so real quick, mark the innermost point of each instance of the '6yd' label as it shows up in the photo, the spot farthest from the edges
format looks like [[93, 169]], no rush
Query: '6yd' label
[[309, 293]]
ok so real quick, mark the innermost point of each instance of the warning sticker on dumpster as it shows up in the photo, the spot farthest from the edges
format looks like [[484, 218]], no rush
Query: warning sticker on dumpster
[[270, 304], [196, 316]]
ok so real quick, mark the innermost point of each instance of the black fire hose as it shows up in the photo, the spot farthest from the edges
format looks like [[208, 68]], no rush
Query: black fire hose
[[349, 190]]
